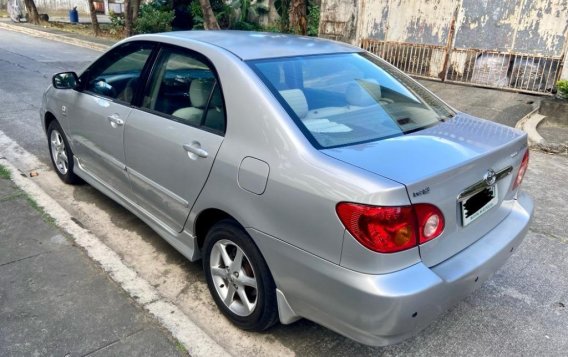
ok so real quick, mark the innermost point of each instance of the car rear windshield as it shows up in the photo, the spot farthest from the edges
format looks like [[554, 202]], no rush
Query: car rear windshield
[[345, 99]]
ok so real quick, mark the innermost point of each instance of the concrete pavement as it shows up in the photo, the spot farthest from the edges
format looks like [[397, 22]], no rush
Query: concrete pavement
[[55, 301], [496, 105]]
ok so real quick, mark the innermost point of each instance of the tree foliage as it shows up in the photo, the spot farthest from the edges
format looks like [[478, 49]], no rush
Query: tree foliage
[[153, 18]]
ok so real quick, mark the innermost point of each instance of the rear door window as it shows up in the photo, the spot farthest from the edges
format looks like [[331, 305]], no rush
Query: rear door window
[[184, 88]]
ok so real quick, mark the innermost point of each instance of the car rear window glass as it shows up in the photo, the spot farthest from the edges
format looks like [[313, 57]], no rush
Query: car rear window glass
[[345, 99]]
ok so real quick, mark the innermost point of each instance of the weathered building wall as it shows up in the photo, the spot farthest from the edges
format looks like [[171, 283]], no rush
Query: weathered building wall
[[338, 19], [456, 30], [414, 21], [531, 26], [61, 5], [543, 25], [526, 26]]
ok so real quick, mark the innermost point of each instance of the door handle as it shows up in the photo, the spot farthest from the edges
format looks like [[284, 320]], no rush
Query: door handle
[[115, 120], [194, 150]]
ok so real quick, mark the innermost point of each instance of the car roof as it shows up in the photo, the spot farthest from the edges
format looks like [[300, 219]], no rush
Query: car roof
[[249, 45]]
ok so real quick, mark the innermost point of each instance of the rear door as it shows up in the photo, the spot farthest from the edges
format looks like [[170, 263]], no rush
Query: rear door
[[172, 139], [100, 110]]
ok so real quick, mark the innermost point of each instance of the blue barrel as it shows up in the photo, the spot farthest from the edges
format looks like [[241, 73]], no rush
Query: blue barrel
[[73, 16]]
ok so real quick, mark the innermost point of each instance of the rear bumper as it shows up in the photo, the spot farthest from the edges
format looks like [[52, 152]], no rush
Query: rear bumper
[[384, 309]]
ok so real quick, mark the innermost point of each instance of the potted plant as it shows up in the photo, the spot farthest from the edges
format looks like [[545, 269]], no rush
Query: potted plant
[[562, 89]]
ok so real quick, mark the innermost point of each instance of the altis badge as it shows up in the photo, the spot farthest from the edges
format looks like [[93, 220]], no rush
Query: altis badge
[[422, 192]]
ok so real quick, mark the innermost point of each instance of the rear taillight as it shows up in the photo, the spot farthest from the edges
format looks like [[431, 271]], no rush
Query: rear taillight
[[522, 170], [391, 229]]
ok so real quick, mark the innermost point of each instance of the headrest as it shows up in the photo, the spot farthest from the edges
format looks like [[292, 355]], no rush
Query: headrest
[[363, 93], [199, 91], [296, 100]]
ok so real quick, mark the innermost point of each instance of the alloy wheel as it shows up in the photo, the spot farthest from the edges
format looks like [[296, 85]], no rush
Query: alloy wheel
[[234, 278], [58, 152]]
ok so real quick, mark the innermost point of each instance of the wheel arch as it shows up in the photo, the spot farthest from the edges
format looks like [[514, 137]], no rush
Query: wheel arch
[[206, 219], [48, 118]]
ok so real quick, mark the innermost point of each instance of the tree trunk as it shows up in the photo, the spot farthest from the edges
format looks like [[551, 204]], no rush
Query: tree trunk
[[135, 9], [127, 18], [298, 19], [94, 20], [273, 15], [31, 9], [209, 19]]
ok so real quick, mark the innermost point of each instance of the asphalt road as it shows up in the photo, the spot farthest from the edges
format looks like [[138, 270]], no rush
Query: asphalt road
[[520, 311]]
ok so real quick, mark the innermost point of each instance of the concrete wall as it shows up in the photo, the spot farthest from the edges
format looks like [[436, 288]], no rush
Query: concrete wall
[[338, 19], [537, 27], [60, 5], [412, 21]]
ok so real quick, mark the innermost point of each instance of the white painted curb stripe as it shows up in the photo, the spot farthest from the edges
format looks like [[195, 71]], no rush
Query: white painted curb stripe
[[195, 340]]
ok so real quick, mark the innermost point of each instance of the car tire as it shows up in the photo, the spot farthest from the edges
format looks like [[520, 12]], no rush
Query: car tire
[[61, 154], [225, 276]]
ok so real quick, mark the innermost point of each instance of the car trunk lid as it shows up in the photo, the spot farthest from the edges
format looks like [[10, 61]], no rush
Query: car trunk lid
[[439, 165]]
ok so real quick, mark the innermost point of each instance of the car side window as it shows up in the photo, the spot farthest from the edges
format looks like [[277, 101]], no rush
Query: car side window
[[117, 74], [185, 89]]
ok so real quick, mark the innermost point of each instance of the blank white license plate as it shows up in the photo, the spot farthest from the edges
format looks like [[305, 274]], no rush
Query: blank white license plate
[[478, 204]]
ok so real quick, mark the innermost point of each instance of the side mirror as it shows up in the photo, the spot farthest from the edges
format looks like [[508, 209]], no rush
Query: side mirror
[[65, 80]]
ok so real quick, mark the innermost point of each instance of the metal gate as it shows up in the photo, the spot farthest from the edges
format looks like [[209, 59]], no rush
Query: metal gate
[[485, 68]]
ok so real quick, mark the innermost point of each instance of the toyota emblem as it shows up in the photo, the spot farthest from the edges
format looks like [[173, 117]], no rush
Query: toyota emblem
[[490, 177]]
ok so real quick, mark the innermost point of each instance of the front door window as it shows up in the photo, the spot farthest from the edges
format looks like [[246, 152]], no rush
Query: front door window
[[117, 74]]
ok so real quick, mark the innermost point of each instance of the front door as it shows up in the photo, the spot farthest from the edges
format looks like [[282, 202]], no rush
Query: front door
[[100, 111], [172, 140]]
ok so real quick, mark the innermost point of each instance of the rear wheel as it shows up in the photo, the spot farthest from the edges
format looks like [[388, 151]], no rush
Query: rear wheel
[[61, 154], [238, 277]]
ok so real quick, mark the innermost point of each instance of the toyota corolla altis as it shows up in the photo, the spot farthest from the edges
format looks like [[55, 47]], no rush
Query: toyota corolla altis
[[313, 179]]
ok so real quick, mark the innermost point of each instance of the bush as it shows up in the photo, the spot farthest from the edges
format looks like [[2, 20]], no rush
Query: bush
[[246, 26], [562, 86], [116, 23], [197, 14], [153, 18], [313, 19]]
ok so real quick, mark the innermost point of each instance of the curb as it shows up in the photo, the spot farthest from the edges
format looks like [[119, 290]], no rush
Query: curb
[[54, 37], [529, 124], [196, 341]]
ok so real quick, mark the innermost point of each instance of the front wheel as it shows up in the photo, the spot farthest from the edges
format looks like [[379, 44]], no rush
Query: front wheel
[[61, 154], [238, 277]]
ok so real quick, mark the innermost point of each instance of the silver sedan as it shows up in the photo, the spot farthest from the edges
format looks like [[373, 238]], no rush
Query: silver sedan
[[312, 178]]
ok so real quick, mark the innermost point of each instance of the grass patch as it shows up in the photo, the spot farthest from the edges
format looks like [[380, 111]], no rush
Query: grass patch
[[4, 173], [13, 196], [44, 215], [84, 29], [180, 347]]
